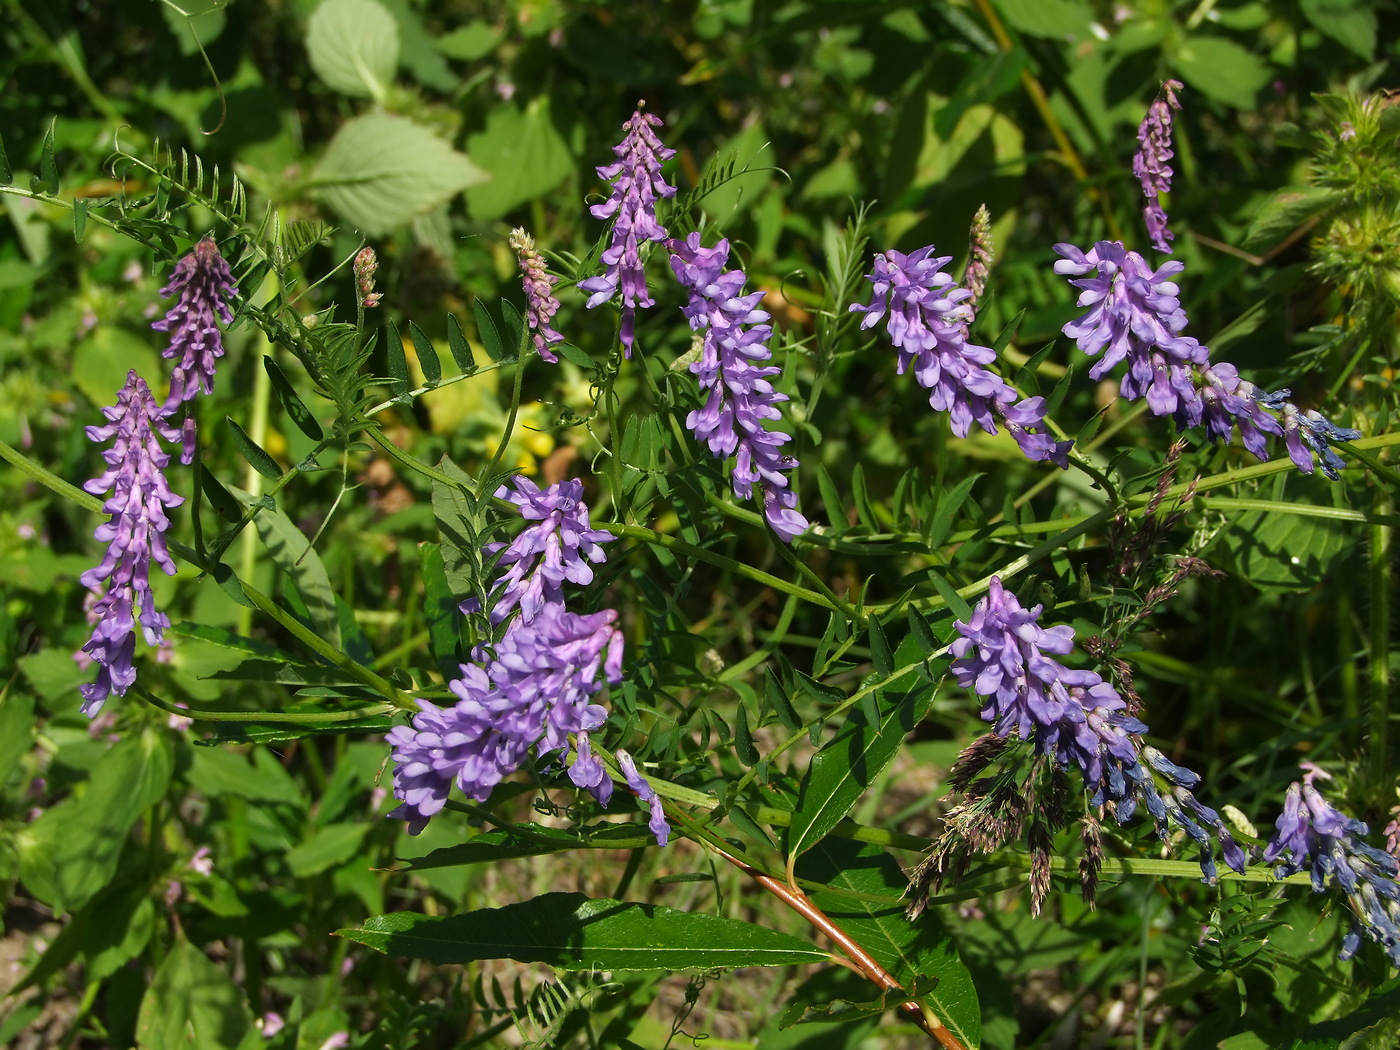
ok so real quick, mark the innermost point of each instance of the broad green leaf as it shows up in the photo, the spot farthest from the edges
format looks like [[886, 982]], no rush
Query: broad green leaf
[[330, 847], [16, 727], [1222, 70], [254, 453], [119, 931], [216, 772], [353, 45], [905, 950], [102, 360], [70, 853], [470, 42], [456, 514], [291, 401], [1286, 551], [1060, 20], [849, 763], [293, 553], [380, 171], [1381, 1006], [525, 154], [191, 1003], [572, 932], [1351, 23]]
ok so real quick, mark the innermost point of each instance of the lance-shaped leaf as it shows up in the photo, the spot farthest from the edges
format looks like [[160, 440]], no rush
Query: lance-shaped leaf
[[849, 763], [254, 453], [427, 354], [461, 349], [531, 840], [291, 401], [573, 932]]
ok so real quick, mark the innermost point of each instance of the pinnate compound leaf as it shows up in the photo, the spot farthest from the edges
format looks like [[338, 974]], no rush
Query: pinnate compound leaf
[[570, 931], [380, 171], [191, 1003], [849, 763], [353, 45]]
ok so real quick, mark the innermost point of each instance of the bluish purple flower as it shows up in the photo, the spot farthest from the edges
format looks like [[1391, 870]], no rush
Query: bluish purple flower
[[632, 207], [1133, 310], [135, 535], [1076, 718], [1150, 163], [739, 395], [1307, 432], [558, 547], [534, 690], [928, 316], [540, 304], [644, 791], [206, 287], [1227, 401], [1315, 836]]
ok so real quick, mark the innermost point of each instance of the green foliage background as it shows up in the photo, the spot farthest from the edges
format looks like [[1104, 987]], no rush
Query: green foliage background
[[430, 129]]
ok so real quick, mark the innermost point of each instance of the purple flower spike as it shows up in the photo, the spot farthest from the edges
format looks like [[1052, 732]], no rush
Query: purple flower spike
[[1307, 432], [928, 319], [135, 535], [536, 689], [206, 288], [558, 547], [739, 394], [632, 207], [540, 304], [1316, 836], [1151, 166], [1075, 717]]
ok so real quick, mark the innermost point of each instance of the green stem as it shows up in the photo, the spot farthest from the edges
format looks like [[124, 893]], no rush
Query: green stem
[[509, 428]]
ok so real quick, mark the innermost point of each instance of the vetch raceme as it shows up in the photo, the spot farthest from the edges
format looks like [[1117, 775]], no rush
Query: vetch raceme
[[536, 689], [540, 304], [206, 288], [1076, 718], [1134, 316], [1150, 163], [644, 791], [1314, 836], [135, 534], [739, 396], [928, 316], [637, 186], [559, 546]]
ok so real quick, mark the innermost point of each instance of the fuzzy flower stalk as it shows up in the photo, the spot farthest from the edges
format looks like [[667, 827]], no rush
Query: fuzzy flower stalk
[[926, 317], [1151, 163], [205, 286], [135, 535], [1314, 836], [536, 687], [1133, 317], [637, 185], [739, 394], [540, 304], [1074, 720]]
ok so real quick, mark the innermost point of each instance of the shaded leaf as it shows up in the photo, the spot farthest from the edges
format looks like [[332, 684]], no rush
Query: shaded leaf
[[291, 402], [256, 456], [191, 1003], [353, 45], [572, 932]]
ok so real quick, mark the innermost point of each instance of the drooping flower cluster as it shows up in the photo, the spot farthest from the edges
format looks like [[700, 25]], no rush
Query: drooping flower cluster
[[1315, 836], [1134, 316], [632, 207], [135, 534], [536, 685], [928, 316], [739, 395], [1077, 718], [540, 304], [537, 688], [558, 547], [1151, 163], [205, 285]]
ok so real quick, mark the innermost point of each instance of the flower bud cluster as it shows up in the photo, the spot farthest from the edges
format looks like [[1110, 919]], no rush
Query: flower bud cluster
[[1150, 163], [540, 304], [739, 395]]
